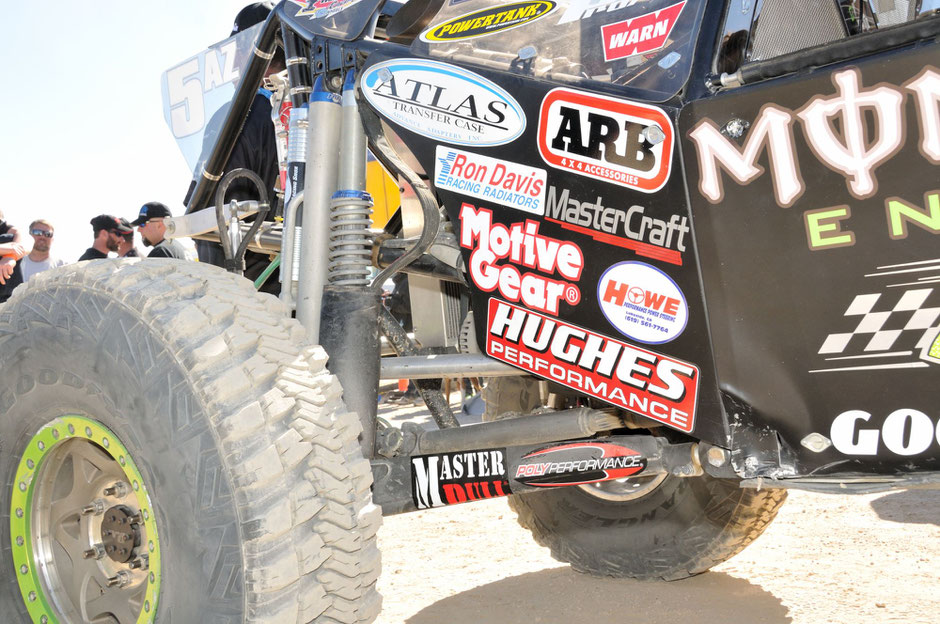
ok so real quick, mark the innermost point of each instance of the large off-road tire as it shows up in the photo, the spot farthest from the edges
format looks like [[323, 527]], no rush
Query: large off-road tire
[[646, 528], [164, 412]]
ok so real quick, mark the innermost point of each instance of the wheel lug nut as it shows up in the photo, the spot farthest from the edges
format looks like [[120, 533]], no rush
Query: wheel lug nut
[[95, 552], [119, 489], [140, 564], [119, 580], [96, 507]]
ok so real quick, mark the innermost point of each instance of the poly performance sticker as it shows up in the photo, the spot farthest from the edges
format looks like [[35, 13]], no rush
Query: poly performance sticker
[[578, 463], [642, 302]]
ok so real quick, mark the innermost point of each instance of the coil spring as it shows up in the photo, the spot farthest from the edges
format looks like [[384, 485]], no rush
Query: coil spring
[[350, 241]]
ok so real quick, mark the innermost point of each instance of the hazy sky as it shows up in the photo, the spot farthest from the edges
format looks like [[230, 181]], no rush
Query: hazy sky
[[81, 122]]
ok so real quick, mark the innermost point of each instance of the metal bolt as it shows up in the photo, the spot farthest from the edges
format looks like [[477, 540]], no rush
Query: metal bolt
[[528, 52], [750, 463], [140, 564], [96, 507], [653, 135], [95, 552], [717, 457], [336, 82], [735, 128], [119, 490], [119, 580], [816, 442]]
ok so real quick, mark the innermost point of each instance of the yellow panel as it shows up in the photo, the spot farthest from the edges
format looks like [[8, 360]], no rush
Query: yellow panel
[[384, 191]]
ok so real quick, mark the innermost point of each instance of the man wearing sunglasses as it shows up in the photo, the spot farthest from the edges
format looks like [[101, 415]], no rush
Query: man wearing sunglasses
[[108, 232], [39, 259]]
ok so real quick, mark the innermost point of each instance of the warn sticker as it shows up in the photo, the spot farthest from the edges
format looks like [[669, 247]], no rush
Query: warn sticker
[[635, 379], [606, 139], [578, 464], [640, 35]]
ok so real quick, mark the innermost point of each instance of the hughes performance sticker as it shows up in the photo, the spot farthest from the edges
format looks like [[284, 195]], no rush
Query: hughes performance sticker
[[577, 464], [497, 250], [606, 139], [488, 21], [449, 478], [491, 179], [443, 102], [630, 227], [642, 302], [640, 35], [650, 384], [904, 432]]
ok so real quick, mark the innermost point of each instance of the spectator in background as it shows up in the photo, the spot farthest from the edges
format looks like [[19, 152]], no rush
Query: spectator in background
[[108, 234], [126, 248], [39, 259], [11, 250], [150, 224]]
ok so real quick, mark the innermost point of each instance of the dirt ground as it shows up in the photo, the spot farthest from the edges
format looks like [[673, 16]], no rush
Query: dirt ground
[[825, 560]]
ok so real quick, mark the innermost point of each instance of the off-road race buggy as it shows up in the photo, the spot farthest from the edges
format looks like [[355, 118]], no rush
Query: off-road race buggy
[[754, 183]]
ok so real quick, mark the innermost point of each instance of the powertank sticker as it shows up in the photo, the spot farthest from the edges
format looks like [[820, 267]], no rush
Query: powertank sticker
[[640, 35], [488, 21], [653, 385], [499, 181], [578, 464], [642, 302], [450, 478], [443, 102], [500, 254], [602, 138]]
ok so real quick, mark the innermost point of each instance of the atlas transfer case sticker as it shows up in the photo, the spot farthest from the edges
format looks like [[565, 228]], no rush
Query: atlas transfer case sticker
[[606, 139], [443, 102]]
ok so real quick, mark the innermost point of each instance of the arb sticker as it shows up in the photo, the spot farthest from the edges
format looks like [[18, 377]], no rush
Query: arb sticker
[[642, 302], [488, 21], [499, 181], [449, 478], [606, 139], [443, 102], [648, 383], [640, 35], [578, 463], [499, 252]]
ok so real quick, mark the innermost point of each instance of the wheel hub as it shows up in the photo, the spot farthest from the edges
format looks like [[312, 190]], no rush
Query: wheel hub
[[84, 537]]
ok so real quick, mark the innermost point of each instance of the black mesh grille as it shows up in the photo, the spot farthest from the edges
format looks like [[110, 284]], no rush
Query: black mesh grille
[[786, 26]]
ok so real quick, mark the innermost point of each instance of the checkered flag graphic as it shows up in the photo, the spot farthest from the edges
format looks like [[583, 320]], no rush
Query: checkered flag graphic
[[909, 324]]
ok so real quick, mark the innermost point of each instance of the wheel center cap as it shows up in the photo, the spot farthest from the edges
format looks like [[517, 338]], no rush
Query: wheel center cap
[[120, 533]]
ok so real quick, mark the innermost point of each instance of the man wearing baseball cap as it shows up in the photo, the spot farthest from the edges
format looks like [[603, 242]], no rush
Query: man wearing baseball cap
[[108, 232], [153, 231]]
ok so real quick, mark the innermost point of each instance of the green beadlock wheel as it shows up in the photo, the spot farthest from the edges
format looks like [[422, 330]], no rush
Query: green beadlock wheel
[[84, 537]]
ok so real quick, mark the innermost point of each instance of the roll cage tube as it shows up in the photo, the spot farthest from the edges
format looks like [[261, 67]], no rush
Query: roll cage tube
[[211, 174]]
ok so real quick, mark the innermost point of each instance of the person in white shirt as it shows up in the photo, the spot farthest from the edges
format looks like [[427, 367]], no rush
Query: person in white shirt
[[39, 259]]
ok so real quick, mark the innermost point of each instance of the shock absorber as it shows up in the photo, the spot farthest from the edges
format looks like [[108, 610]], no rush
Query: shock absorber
[[349, 324]]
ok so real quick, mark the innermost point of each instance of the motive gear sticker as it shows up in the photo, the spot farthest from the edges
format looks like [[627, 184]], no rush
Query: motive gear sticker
[[577, 464], [642, 302]]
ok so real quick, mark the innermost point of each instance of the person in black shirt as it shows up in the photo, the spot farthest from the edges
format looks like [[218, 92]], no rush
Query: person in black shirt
[[126, 248], [108, 233], [152, 230], [10, 252], [255, 150]]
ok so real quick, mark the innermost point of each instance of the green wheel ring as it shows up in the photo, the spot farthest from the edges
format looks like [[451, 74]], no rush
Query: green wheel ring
[[40, 445]]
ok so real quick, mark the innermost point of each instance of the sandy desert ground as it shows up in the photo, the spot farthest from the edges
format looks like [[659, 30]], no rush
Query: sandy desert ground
[[826, 559]]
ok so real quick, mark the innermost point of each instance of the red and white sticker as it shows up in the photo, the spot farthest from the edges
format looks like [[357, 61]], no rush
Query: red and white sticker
[[640, 35], [606, 139], [578, 463], [648, 383], [498, 252]]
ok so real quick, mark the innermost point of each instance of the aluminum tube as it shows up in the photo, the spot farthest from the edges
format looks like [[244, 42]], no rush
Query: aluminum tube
[[449, 365], [287, 249], [325, 119], [352, 172]]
